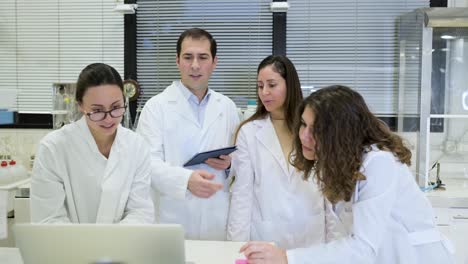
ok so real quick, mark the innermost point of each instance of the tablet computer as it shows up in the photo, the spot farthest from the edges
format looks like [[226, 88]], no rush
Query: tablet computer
[[203, 156]]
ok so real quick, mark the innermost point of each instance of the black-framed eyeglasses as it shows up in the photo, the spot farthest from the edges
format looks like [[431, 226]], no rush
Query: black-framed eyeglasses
[[101, 115]]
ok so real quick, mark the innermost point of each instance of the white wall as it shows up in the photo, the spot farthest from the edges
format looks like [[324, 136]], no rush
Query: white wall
[[457, 3]]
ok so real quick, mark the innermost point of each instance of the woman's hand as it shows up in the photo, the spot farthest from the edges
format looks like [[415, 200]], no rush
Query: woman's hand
[[263, 253]]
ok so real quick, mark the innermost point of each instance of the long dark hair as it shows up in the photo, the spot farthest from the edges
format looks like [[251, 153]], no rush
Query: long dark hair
[[94, 75], [284, 67], [344, 129]]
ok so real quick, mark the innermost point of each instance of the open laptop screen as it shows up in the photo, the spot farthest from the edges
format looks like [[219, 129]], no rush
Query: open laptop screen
[[100, 243]]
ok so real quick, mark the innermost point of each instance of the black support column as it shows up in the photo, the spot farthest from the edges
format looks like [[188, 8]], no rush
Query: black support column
[[279, 32], [130, 53], [438, 3]]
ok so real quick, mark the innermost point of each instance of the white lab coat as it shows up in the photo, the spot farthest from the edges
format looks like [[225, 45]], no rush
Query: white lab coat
[[388, 221], [270, 199], [73, 182], [170, 127]]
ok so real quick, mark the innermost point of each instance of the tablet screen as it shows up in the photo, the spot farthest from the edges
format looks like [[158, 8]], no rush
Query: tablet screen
[[203, 156]]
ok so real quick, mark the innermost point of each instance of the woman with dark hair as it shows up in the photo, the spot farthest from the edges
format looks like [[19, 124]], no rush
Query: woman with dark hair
[[362, 168], [270, 201], [87, 171]]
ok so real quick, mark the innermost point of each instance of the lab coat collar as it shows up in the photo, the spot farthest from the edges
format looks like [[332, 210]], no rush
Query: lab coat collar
[[115, 154], [178, 103], [88, 136], [188, 95], [109, 196], [267, 136], [213, 111], [112, 180]]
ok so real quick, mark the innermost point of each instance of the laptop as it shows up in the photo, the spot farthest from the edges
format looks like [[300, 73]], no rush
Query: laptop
[[100, 243]]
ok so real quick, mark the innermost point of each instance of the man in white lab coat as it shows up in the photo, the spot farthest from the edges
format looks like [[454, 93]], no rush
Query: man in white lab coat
[[184, 119]]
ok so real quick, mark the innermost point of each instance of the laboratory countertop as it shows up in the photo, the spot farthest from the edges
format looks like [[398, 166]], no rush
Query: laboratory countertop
[[212, 252], [10, 256], [455, 194], [197, 252]]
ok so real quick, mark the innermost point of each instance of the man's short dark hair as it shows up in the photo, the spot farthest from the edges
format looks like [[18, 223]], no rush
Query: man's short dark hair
[[197, 33]]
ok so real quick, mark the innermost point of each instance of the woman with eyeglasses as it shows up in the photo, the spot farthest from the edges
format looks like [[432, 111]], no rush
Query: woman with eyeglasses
[[93, 170]]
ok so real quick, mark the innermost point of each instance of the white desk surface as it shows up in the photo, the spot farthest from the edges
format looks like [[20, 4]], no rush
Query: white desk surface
[[212, 252], [10, 256], [196, 252], [455, 194]]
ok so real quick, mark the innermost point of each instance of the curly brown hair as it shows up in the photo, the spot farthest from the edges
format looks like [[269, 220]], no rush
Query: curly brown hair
[[344, 129]]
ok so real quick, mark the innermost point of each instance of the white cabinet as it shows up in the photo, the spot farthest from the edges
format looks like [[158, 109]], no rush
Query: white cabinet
[[442, 216], [451, 215], [453, 223], [11, 188], [458, 233], [22, 211]]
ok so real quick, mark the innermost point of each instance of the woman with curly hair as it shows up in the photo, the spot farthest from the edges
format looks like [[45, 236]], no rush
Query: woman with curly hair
[[362, 170]]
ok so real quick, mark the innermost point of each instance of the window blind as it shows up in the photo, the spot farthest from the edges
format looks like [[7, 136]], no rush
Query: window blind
[[349, 42], [242, 29], [8, 54], [51, 41]]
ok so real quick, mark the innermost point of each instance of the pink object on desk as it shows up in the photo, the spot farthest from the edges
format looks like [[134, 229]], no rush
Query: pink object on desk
[[241, 261]]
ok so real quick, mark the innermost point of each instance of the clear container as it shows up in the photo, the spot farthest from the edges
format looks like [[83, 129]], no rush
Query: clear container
[[17, 171], [137, 118], [64, 109], [433, 91]]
